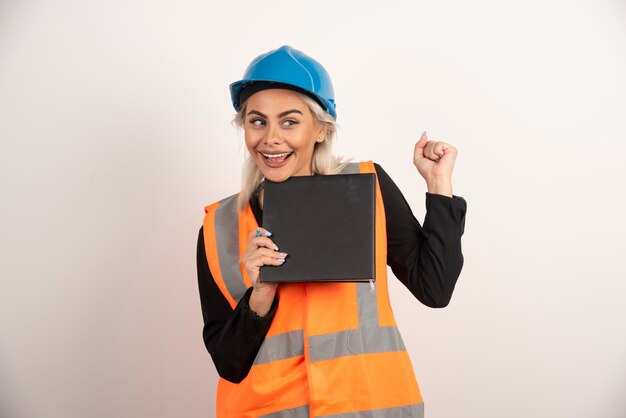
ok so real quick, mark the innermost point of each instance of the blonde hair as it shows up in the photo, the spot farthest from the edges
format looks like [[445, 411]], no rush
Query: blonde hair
[[322, 162]]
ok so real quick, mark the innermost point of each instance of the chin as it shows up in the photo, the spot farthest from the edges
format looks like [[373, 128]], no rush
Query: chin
[[276, 177]]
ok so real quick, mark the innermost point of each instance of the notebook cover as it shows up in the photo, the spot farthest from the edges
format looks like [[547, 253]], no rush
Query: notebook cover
[[327, 226]]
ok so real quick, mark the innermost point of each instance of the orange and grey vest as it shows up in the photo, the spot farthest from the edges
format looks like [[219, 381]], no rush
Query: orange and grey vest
[[332, 350]]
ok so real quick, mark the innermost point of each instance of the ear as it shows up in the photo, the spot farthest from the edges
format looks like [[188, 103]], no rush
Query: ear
[[321, 136]]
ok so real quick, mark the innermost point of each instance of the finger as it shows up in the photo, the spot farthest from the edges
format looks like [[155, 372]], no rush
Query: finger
[[423, 140], [449, 152], [419, 146], [259, 232], [265, 242], [429, 151], [253, 259], [439, 149], [264, 260], [266, 252]]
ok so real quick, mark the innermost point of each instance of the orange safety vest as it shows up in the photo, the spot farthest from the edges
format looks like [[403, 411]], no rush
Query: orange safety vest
[[333, 349]]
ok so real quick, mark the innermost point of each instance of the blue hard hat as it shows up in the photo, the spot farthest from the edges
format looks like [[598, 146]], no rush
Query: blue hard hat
[[286, 67]]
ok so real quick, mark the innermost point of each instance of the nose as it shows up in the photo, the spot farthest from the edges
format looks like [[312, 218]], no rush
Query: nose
[[273, 136]]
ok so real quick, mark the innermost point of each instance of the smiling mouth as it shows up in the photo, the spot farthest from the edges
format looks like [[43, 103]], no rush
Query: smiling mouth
[[276, 158]]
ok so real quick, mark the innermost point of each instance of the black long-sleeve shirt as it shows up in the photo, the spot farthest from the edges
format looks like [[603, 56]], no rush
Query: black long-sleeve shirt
[[427, 260]]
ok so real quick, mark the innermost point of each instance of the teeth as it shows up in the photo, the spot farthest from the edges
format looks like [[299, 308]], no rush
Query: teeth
[[284, 154]]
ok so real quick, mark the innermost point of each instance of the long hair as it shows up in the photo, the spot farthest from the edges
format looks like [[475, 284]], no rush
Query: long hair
[[322, 162]]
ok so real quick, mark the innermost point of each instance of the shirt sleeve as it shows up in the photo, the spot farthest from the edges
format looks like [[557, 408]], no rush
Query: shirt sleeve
[[426, 259], [232, 336]]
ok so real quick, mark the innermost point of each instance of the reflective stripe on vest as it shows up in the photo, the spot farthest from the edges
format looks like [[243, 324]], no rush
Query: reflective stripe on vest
[[408, 411], [297, 412], [318, 368], [226, 221]]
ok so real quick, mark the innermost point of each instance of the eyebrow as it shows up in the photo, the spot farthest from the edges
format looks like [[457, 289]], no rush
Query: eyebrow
[[280, 115]]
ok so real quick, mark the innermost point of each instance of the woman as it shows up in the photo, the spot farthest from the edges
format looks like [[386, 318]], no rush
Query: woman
[[310, 349]]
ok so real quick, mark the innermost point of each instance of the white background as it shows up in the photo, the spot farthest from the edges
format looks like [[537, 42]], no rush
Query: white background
[[115, 132]]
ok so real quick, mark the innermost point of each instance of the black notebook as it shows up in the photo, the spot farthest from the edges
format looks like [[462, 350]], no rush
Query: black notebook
[[327, 226]]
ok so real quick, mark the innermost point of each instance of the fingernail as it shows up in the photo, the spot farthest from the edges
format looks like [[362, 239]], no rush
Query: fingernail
[[267, 233], [280, 260], [275, 247], [424, 133], [283, 255]]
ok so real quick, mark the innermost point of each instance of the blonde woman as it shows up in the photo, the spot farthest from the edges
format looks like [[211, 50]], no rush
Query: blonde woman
[[317, 349]]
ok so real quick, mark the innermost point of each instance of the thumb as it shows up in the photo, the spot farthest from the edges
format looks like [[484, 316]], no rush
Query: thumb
[[420, 145], [423, 140]]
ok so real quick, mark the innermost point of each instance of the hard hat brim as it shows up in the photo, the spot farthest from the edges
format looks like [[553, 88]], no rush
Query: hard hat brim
[[242, 90]]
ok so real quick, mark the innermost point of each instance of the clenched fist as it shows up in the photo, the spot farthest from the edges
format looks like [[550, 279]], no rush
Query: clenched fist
[[434, 161]]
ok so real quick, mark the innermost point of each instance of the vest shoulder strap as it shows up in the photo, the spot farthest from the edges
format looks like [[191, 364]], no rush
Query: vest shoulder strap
[[221, 241], [358, 167]]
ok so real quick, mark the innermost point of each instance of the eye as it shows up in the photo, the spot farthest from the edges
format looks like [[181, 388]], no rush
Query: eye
[[290, 122], [257, 122]]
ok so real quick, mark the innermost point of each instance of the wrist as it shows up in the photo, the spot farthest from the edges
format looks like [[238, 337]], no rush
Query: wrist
[[442, 186], [261, 300]]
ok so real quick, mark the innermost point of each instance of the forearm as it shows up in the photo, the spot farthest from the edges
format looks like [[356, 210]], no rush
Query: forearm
[[235, 346], [231, 336], [440, 258]]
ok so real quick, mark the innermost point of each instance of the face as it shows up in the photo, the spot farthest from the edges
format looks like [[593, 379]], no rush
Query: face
[[281, 133]]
